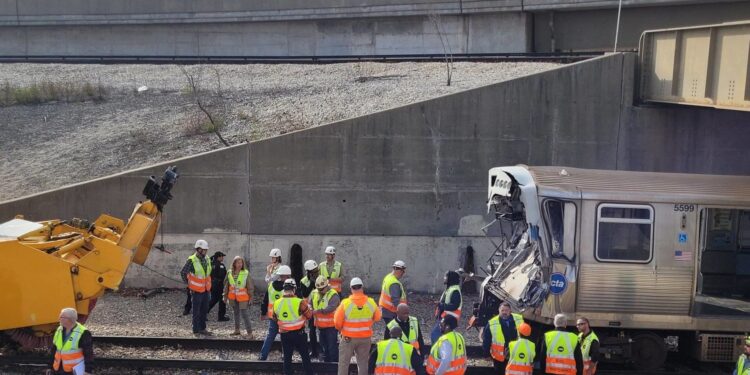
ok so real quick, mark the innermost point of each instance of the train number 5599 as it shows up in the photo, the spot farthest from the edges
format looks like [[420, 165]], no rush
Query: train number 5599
[[682, 207]]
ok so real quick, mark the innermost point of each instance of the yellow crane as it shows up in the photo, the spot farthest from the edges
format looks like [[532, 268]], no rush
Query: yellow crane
[[71, 263]]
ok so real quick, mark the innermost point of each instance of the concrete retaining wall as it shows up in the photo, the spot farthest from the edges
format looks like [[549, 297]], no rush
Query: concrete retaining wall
[[410, 182]]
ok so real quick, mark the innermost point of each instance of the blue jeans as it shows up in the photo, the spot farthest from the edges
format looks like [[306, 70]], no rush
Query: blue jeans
[[435, 334], [200, 310], [329, 344], [273, 330]]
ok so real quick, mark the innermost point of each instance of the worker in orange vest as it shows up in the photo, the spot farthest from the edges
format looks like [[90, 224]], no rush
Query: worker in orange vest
[[197, 274], [325, 301], [354, 319], [72, 347]]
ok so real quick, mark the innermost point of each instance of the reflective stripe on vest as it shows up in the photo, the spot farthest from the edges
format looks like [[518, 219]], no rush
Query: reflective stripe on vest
[[199, 280], [236, 293], [458, 354], [497, 349], [385, 300], [358, 320], [68, 353], [743, 368], [336, 274], [588, 368], [287, 313], [413, 337], [520, 357], [560, 356], [447, 294], [273, 296], [320, 303], [394, 357]]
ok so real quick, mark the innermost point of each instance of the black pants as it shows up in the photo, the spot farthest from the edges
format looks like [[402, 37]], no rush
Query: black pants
[[313, 338], [216, 297], [499, 367], [291, 341], [189, 302]]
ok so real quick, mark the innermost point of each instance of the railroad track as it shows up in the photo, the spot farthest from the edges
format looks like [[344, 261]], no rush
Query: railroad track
[[476, 57], [35, 362]]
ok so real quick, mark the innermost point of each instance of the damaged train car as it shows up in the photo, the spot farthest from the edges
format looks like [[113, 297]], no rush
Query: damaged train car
[[655, 261]]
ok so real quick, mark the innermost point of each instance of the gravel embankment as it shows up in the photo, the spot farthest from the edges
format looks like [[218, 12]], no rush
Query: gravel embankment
[[46, 146]]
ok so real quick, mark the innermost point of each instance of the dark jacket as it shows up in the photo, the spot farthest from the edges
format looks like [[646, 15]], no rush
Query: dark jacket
[[541, 355], [218, 272], [86, 343], [510, 333], [452, 278], [416, 361]]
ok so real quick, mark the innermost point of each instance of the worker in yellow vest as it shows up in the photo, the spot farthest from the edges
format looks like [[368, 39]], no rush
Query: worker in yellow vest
[[560, 352], [589, 346], [332, 269], [743, 362], [304, 291], [450, 302], [395, 357], [392, 292], [411, 333], [521, 353], [237, 287], [499, 331], [197, 274], [448, 354], [290, 313], [72, 346], [325, 301], [354, 319], [274, 293]]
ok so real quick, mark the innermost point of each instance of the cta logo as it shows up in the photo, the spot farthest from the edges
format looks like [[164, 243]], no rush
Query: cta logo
[[557, 283]]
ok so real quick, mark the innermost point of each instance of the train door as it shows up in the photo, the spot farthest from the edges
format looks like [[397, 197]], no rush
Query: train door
[[723, 276], [561, 224]]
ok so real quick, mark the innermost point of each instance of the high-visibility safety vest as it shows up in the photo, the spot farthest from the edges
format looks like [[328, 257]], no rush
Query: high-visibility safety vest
[[458, 354], [743, 365], [394, 358], [447, 298], [321, 302], [358, 320], [497, 349], [413, 337], [520, 357], [589, 368], [273, 296], [335, 273], [560, 355], [287, 312], [385, 300], [237, 287], [199, 280], [68, 353]]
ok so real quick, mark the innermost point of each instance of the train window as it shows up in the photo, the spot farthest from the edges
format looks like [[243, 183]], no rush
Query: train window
[[623, 233], [561, 220]]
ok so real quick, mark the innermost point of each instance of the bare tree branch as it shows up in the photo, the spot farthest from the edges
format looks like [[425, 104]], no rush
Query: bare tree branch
[[437, 22], [196, 93]]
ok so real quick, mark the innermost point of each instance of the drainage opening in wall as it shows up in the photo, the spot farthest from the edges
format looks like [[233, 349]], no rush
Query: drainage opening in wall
[[467, 263], [295, 262]]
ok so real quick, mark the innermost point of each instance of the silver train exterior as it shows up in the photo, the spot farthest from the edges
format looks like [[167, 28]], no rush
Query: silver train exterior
[[655, 261]]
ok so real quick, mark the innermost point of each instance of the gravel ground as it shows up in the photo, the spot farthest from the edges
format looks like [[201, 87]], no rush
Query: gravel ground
[[126, 314], [46, 146]]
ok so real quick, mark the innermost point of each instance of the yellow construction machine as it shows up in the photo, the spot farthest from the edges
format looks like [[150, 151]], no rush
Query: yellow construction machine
[[50, 265]]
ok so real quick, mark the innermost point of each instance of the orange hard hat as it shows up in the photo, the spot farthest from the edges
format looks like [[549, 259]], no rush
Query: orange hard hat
[[524, 329]]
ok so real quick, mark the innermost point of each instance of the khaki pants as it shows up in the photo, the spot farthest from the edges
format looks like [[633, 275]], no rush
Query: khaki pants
[[350, 346]]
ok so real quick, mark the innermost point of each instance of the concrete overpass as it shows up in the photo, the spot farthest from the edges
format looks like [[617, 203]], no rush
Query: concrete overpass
[[342, 27]]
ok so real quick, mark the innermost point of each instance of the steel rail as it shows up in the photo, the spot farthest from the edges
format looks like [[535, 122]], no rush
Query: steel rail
[[257, 366], [329, 59]]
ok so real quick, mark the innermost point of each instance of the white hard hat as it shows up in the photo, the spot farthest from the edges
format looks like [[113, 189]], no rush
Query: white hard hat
[[289, 284], [284, 270], [330, 250], [275, 253], [355, 281], [399, 264], [321, 282], [310, 265], [201, 244]]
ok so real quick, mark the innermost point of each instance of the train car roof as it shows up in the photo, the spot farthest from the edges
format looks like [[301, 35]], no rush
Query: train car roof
[[629, 186]]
